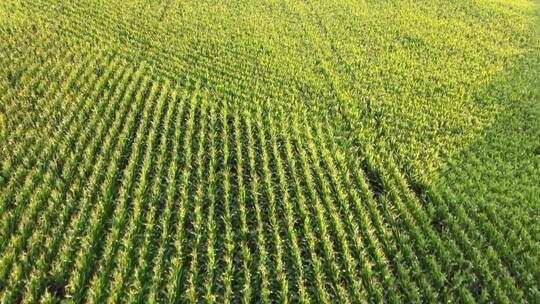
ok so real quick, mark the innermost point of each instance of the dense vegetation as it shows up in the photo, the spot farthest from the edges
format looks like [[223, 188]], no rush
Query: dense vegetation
[[157, 151]]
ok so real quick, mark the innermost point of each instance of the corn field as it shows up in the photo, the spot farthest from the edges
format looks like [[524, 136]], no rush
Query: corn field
[[167, 151]]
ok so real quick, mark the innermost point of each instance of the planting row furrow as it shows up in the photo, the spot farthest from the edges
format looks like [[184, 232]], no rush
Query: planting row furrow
[[247, 260], [226, 278], [27, 152], [350, 265], [278, 268], [101, 278], [212, 197], [49, 108], [338, 183], [363, 193], [91, 244], [170, 197], [41, 191], [139, 288], [126, 257], [20, 100], [303, 295], [198, 202], [53, 240], [368, 229], [510, 240], [63, 263], [176, 267], [317, 263], [71, 159], [45, 153], [332, 263], [418, 214], [185, 65], [33, 55], [263, 288]]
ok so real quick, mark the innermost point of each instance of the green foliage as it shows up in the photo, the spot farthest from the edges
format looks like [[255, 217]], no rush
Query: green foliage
[[269, 151]]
